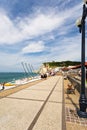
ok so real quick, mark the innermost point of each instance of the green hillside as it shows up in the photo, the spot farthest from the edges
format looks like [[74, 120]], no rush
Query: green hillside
[[62, 63]]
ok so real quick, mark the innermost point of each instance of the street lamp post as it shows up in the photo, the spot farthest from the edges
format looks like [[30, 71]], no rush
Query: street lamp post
[[82, 101]]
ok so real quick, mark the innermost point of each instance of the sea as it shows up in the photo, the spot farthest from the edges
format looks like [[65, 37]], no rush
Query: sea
[[12, 76]]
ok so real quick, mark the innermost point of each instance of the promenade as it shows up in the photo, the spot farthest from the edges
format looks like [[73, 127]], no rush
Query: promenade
[[38, 107]]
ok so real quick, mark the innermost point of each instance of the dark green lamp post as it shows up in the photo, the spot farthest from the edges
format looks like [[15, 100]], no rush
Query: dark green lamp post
[[82, 101]]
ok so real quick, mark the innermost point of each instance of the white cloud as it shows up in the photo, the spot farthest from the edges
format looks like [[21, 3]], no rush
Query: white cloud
[[67, 48], [8, 32], [34, 47], [41, 24], [32, 26], [26, 28]]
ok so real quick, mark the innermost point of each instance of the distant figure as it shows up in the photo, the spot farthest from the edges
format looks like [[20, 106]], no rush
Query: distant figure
[[43, 72], [3, 86]]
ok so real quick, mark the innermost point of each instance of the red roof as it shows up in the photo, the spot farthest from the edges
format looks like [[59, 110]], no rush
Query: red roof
[[65, 69], [79, 66]]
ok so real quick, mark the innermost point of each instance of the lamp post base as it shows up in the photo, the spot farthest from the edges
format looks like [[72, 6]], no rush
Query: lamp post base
[[83, 106], [82, 114]]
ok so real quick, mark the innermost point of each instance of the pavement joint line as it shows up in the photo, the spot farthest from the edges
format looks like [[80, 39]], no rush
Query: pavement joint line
[[42, 107], [44, 90], [25, 99], [37, 90], [31, 99]]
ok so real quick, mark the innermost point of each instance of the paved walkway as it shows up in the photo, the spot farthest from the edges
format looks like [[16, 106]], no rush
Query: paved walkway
[[38, 107]]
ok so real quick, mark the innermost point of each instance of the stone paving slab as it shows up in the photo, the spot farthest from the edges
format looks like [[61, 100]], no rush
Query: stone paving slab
[[43, 85], [31, 94], [50, 119], [56, 97], [36, 108], [17, 114]]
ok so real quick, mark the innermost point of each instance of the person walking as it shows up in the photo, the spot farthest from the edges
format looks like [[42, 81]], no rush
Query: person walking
[[43, 72]]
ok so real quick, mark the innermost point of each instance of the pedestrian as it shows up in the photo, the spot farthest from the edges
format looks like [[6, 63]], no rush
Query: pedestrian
[[43, 72], [3, 86]]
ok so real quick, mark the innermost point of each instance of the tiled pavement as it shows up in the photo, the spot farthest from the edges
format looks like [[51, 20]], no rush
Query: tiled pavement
[[72, 117], [39, 107]]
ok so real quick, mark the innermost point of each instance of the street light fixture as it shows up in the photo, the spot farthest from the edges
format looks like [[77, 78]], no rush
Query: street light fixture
[[82, 101], [78, 24]]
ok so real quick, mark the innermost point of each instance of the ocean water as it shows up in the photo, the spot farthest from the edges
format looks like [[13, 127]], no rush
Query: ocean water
[[12, 76]]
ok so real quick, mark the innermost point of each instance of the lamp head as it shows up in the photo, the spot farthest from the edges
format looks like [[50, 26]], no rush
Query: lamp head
[[78, 24], [85, 1]]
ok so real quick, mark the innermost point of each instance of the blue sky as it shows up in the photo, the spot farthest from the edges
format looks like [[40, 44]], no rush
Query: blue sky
[[37, 31]]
